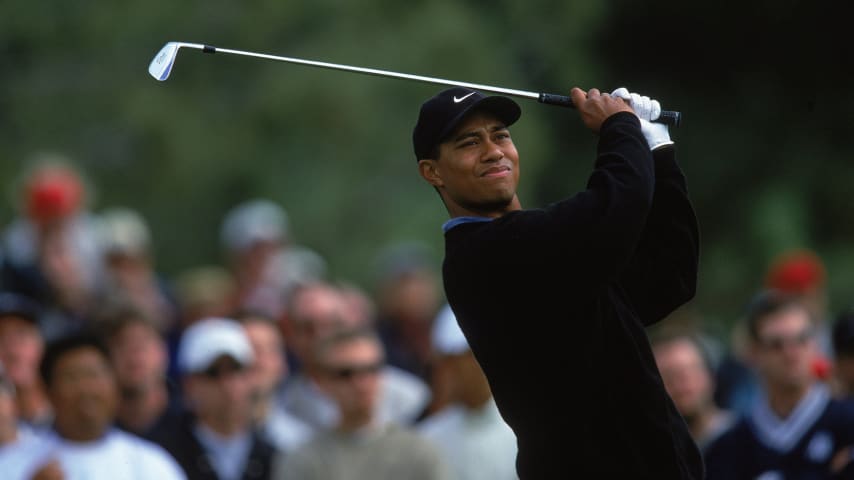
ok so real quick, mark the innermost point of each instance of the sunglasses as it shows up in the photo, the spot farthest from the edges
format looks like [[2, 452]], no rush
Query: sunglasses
[[777, 343], [351, 371], [219, 372]]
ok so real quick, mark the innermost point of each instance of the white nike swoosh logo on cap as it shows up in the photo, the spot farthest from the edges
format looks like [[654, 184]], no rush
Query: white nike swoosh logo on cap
[[458, 100]]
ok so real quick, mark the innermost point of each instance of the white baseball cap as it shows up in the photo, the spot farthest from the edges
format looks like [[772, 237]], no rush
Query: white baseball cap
[[448, 338], [210, 338]]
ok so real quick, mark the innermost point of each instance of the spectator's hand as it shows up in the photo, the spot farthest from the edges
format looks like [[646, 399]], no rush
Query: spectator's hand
[[596, 107], [647, 109], [49, 471]]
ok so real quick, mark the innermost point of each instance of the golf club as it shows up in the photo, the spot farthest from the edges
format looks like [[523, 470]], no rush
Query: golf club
[[161, 67]]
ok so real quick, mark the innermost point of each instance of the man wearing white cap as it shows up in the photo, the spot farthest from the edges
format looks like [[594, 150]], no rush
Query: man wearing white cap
[[216, 440], [469, 431]]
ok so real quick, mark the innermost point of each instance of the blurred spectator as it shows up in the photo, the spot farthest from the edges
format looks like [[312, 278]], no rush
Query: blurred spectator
[[687, 372], [19, 446], [843, 348], [203, 292], [126, 245], [253, 233], [81, 385], [736, 384], [139, 358], [408, 298], [801, 274], [358, 304], [315, 311], [281, 429], [360, 446], [469, 432], [21, 349], [262, 257], [8, 411], [216, 440], [795, 429], [50, 250]]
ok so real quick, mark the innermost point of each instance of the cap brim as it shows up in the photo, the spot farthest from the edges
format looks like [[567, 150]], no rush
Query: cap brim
[[503, 108]]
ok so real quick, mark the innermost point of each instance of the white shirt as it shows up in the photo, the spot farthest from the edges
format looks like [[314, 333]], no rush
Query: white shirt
[[115, 456], [21, 458], [227, 455], [285, 431], [476, 444]]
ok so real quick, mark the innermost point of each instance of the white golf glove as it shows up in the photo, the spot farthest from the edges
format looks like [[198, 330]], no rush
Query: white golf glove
[[646, 109]]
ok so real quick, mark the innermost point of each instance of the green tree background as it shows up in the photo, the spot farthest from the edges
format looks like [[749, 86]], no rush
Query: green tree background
[[764, 88]]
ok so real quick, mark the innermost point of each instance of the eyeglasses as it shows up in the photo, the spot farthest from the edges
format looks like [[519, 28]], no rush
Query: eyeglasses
[[351, 371], [778, 343]]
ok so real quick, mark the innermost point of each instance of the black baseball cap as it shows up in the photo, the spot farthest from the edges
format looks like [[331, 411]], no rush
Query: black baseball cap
[[17, 305], [441, 114]]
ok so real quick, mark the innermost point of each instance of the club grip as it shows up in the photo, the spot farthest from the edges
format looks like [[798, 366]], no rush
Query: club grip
[[667, 117]]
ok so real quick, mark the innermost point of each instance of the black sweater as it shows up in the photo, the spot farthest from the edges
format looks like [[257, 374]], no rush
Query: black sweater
[[554, 302]]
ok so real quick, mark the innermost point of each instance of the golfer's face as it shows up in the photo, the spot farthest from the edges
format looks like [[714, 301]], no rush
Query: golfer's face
[[478, 166]]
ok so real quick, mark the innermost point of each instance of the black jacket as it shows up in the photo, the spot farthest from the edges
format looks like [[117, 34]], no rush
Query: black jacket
[[554, 302], [180, 441]]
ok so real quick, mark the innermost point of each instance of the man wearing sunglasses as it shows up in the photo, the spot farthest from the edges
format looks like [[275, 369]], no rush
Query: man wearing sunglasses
[[215, 440], [795, 429], [361, 445]]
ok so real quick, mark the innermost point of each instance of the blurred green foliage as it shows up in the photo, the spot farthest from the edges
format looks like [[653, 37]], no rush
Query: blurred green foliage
[[763, 87]]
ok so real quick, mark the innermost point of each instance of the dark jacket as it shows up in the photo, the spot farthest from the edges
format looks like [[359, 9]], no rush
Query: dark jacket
[[180, 441], [554, 302]]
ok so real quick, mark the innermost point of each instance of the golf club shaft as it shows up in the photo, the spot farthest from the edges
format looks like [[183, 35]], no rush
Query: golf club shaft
[[667, 117]]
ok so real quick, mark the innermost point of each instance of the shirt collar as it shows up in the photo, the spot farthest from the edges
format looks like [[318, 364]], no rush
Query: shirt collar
[[782, 434], [460, 220]]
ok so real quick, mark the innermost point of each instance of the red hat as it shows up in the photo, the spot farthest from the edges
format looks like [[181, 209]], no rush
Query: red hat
[[53, 192], [796, 272]]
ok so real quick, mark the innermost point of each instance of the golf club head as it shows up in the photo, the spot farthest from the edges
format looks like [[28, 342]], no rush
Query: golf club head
[[161, 66]]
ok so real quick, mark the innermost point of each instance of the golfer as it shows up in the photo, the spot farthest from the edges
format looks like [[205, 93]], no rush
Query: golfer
[[554, 301]]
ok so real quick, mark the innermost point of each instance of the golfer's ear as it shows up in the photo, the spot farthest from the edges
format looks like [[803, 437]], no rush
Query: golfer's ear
[[429, 171]]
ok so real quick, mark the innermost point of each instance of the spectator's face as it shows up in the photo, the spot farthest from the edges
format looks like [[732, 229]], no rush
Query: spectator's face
[[412, 297], [269, 367], [253, 260], [685, 376], [139, 356], [21, 348], [128, 270], [84, 394], [478, 167], [352, 376], [466, 381], [222, 393], [314, 314], [785, 349]]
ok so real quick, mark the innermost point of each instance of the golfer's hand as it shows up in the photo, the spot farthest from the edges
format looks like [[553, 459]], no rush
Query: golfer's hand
[[657, 135], [595, 107]]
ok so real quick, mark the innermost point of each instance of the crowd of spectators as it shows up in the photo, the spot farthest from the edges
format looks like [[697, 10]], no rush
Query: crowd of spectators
[[263, 367]]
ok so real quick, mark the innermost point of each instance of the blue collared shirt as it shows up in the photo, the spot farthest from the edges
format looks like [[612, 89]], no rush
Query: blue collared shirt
[[460, 220]]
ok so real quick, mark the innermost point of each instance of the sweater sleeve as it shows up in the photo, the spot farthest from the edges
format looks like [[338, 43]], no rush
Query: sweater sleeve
[[662, 273], [603, 223]]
